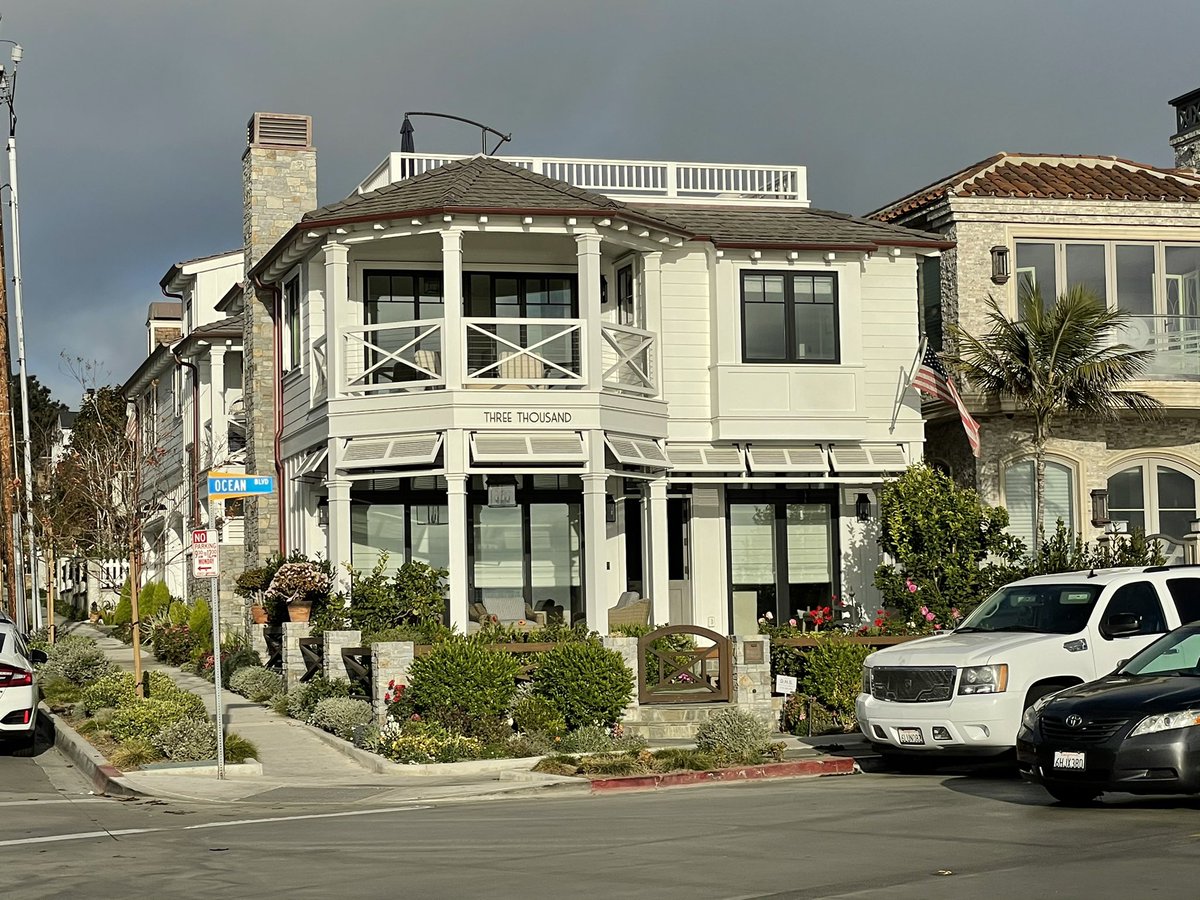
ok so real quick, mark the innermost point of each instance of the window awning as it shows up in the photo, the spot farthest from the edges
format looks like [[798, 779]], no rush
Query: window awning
[[401, 450], [706, 458], [309, 462], [635, 451], [536, 448], [850, 459], [808, 459]]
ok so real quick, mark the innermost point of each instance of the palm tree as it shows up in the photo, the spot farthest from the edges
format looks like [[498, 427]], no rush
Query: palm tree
[[1065, 359]]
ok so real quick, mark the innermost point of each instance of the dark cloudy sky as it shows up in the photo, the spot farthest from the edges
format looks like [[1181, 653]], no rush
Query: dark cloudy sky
[[133, 112]]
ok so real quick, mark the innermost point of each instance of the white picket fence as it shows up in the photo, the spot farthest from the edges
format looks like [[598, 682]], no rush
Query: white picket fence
[[82, 582]]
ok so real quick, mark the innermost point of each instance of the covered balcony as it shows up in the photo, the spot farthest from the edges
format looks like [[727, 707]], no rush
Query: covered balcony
[[1174, 340]]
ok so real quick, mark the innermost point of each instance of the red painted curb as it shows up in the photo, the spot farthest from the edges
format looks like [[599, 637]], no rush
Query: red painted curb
[[828, 765]]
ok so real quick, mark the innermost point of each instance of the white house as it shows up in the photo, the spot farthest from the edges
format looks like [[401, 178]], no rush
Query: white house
[[187, 395], [563, 379], [1130, 232]]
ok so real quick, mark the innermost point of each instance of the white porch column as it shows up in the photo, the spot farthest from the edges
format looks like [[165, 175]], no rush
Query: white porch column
[[595, 553], [217, 418], [652, 305], [339, 531], [456, 500], [337, 299], [454, 340], [588, 254], [659, 581]]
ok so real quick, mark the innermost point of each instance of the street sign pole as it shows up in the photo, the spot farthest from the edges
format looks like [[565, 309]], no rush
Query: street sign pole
[[206, 563]]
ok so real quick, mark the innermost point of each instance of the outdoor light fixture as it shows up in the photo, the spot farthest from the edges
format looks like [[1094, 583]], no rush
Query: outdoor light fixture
[[610, 508], [1000, 270], [603, 289], [323, 511], [1100, 508], [502, 491], [862, 508]]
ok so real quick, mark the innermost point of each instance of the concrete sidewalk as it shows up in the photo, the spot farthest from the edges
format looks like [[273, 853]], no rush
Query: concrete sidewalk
[[300, 765]]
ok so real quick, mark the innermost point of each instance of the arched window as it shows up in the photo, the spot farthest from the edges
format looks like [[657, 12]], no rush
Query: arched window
[[1154, 495], [1019, 489]]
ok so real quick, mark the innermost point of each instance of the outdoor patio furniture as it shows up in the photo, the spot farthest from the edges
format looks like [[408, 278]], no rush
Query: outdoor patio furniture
[[630, 609]]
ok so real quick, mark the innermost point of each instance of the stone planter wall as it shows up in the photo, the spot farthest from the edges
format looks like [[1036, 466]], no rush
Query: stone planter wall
[[751, 688], [293, 662], [628, 648], [335, 667], [390, 661]]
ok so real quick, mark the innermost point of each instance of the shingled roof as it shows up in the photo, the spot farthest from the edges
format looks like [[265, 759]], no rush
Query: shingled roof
[[1053, 177]]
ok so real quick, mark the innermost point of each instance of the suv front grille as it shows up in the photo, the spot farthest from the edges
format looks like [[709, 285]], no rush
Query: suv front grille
[[1092, 731], [912, 685]]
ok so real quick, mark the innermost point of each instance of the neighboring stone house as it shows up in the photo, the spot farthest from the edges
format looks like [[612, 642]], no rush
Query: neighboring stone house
[[569, 381], [1129, 231]]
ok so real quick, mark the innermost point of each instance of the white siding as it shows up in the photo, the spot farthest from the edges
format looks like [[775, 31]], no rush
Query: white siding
[[685, 342]]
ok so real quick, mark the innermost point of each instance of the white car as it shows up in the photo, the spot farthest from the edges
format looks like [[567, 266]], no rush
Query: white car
[[964, 691], [18, 686]]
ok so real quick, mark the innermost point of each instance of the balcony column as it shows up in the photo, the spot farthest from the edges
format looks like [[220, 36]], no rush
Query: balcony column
[[456, 500], [652, 311], [339, 532], [454, 340], [595, 553], [588, 255], [218, 414], [337, 304], [656, 544]]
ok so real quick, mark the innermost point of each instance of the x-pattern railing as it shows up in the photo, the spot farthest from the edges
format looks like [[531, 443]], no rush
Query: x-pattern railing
[[423, 369], [320, 369], [515, 361], [633, 369], [681, 674]]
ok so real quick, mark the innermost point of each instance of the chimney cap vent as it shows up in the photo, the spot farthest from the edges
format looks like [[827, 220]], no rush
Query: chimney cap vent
[[279, 130]]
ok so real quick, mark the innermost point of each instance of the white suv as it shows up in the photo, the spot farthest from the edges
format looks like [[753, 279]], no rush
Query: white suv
[[964, 691], [18, 685]]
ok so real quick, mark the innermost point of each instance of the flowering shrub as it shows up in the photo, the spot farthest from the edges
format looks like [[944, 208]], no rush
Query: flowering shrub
[[425, 742], [173, 644], [295, 581]]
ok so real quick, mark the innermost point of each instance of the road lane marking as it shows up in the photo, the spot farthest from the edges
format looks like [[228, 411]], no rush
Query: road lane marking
[[336, 815], [78, 836], [49, 802]]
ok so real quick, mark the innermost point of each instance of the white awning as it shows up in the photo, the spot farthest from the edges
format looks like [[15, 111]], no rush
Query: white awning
[[808, 459], [706, 458], [400, 450], [535, 448], [310, 461], [850, 459], [635, 451]]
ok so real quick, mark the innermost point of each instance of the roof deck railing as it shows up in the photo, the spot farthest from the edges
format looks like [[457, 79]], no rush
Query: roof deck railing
[[628, 179]]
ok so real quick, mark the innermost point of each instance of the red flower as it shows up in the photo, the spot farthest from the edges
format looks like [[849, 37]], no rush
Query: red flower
[[392, 683], [879, 623], [387, 698]]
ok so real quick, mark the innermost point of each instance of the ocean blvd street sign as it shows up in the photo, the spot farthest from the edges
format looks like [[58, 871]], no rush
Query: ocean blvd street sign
[[222, 486]]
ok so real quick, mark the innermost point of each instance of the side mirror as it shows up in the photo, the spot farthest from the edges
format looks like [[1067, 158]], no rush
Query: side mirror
[[1120, 625], [37, 657]]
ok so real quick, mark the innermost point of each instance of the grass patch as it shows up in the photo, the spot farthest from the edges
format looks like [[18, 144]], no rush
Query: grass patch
[[58, 691], [238, 749], [684, 760], [558, 764], [609, 764], [134, 753]]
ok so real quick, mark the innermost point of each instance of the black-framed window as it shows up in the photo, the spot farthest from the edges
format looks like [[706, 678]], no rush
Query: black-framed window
[[790, 317], [291, 324], [515, 295], [626, 314], [402, 296]]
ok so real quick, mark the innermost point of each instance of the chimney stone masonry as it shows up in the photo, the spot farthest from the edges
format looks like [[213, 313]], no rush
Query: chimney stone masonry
[[1186, 140], [279, 185]]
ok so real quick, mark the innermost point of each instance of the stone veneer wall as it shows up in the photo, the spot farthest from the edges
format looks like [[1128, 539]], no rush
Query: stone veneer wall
[[279, 187], [1187, 149]]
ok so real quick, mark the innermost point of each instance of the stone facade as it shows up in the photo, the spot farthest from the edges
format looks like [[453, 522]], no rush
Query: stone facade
[[752, 686], [390, 661], [293, 661], [335, 666], [279, 185]]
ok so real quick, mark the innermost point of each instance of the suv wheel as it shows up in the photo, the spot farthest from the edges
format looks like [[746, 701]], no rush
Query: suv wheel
[[1072, 794]]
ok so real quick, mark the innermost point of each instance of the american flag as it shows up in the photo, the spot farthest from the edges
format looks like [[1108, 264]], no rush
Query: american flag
[[932, 378]]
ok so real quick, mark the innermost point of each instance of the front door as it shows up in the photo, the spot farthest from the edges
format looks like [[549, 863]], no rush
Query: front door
[[679, 560]]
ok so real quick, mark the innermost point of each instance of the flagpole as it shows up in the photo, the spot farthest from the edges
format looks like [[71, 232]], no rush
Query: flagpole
[[907, 377]]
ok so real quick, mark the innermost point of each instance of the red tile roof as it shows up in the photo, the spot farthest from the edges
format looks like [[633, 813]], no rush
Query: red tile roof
[[1053, 177]]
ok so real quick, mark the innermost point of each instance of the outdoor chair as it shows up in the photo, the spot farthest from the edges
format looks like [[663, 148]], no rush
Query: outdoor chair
[[630, 609]]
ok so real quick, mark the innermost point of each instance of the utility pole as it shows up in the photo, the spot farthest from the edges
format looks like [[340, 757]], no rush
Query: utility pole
[[12, 571]]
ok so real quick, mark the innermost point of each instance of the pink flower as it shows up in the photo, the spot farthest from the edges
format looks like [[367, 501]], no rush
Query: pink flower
[[792, 622], [924, 610], [912, 588], [929, 617], [955, 614]]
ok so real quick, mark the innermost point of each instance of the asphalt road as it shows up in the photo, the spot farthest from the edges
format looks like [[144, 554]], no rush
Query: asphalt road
[[867, 836]]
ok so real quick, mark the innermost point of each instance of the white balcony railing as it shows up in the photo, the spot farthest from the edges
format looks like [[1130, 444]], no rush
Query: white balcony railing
[[1175, 341], [392, 357], [631, 179], [319, 358], [505, 352], [627, 356]]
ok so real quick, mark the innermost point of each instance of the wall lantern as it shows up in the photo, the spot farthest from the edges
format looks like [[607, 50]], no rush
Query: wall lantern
[[502, 491], [862, 508], [1100, 508], [1000, 270], [323, 512], [610, 508], [603, 289]]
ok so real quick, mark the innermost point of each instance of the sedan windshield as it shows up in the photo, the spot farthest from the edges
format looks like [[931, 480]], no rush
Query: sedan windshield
[[1177, 653], [1039, 608]]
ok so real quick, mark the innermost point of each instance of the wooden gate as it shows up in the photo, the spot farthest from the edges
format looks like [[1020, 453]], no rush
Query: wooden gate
[[684, 664]]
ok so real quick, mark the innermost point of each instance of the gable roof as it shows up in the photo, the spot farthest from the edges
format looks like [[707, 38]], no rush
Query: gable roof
[[1047, 176]]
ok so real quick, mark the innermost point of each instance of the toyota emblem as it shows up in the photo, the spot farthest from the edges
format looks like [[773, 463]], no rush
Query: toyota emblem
[[1074, 721]]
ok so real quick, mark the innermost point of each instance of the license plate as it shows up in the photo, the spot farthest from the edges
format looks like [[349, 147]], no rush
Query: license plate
[[910, 736], [1068, 759]]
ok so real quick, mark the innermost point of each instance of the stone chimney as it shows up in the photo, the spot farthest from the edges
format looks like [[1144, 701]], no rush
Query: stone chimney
[[279, 185], [1186, 140], [164, 324]]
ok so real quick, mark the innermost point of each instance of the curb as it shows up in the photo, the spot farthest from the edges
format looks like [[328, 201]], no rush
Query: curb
[[808, 768], [87, 759]]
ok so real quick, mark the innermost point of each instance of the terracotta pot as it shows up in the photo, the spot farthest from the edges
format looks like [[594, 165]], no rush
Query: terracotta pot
[[258, 615], [299, 610]]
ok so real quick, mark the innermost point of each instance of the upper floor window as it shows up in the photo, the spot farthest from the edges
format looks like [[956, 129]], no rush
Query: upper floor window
[[1019, 490], [291, 324], [1155, 497], [790, 317], [625, 299], [505, 295], [403, 296]]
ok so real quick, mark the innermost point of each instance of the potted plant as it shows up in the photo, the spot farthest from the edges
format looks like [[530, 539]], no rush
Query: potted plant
[[251, 584], [94, 613], [298, 584]]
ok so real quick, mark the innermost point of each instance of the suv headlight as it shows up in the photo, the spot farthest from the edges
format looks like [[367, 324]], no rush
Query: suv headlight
[[866, 679], [1030, 717], [1167, 721], [991, 679]]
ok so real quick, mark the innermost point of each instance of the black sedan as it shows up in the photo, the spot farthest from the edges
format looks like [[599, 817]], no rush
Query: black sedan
[[1137, 730]]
